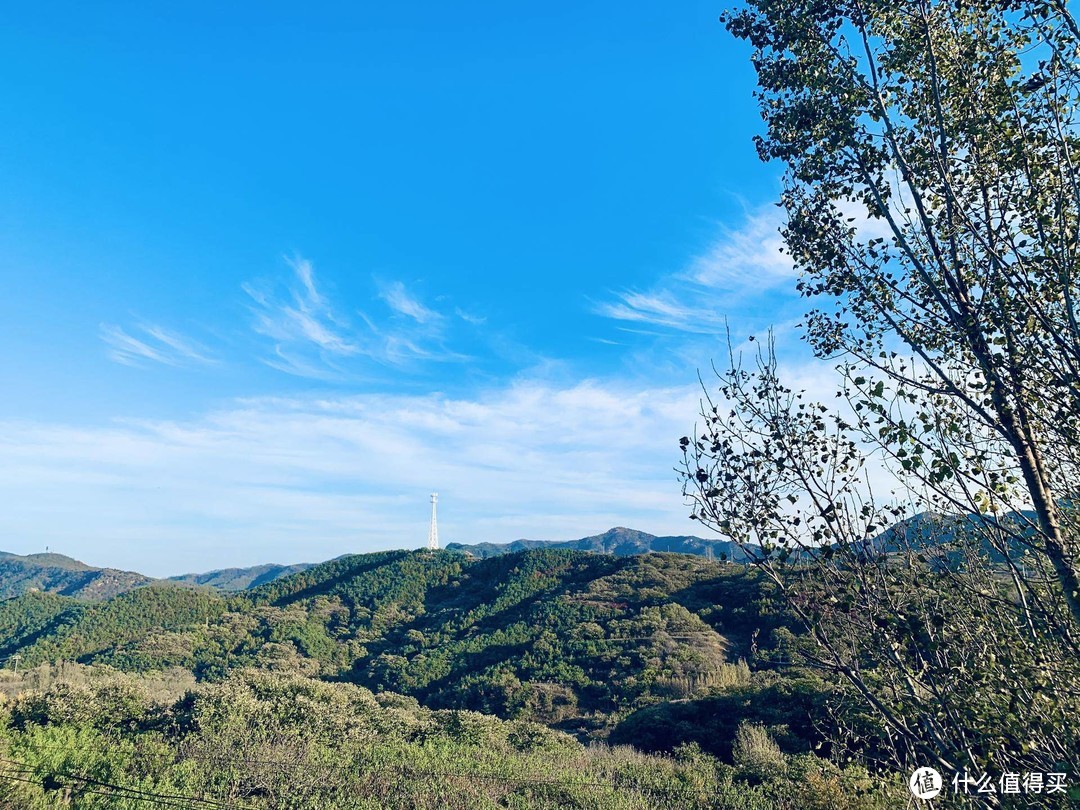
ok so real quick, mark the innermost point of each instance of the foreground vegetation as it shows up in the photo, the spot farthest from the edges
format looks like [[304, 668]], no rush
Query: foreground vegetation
[[269, 740]]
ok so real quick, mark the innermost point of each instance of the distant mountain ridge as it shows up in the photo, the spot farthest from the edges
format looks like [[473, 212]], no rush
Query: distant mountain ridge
[[620, 541], [922, 530], [66, 576], [232, 580], [55, 573]]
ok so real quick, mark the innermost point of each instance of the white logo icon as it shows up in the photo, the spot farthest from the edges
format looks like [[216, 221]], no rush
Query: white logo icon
[[925, 783]]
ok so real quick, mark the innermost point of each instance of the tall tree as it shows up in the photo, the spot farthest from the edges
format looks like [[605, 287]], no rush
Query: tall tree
[[933, 204]]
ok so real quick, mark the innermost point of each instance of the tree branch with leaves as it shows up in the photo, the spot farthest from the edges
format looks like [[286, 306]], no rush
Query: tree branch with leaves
[[933, 212]]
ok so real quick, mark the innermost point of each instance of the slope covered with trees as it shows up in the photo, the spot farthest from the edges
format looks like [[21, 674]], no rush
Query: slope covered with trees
[[423, 659], [56, 573], [547, 634]]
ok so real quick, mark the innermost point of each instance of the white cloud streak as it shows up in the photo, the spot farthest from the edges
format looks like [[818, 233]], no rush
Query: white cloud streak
[[301, 317], [749, 258], [312, 339], [663, 308], [153, 344], [400, 301], [743, 275]]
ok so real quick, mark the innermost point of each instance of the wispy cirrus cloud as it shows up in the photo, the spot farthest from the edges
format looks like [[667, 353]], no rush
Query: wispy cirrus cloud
[[742, 276], [745, 279], [663, 308], [151, 343], [469, 317], [745, 259], [403, 303], [296, 313], [313, 338]]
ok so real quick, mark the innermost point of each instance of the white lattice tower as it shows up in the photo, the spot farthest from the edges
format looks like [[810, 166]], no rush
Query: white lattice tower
[[433, 532]]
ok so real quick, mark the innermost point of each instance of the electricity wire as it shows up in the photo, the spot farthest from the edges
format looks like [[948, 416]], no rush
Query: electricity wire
[[120, 791]]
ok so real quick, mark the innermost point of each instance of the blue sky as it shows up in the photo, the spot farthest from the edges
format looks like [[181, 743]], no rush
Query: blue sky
[[270, 273]]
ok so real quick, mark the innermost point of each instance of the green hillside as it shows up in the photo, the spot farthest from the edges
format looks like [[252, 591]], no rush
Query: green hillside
[[55, 573], [550, 634], [65, 629]]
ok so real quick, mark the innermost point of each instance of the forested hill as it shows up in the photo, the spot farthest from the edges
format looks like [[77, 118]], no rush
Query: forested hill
[[56, 573], [552, 634], [619, 541]]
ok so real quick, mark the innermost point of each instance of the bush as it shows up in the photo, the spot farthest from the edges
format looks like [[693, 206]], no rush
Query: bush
[[756, 752]]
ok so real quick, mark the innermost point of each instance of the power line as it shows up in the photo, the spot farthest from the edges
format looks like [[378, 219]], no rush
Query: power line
[[125, 792], [157, 802]]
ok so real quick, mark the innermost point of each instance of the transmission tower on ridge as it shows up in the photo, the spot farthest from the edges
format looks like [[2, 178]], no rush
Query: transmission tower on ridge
[[433, 532]]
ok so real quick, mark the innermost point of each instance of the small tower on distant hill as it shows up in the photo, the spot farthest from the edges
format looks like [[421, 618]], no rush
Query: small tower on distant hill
[[433, 532]]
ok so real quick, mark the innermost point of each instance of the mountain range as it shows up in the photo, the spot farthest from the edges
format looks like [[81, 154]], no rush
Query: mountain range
[[620, 541], [576, 641], [241, 579], [56, 573], [59, 574]]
